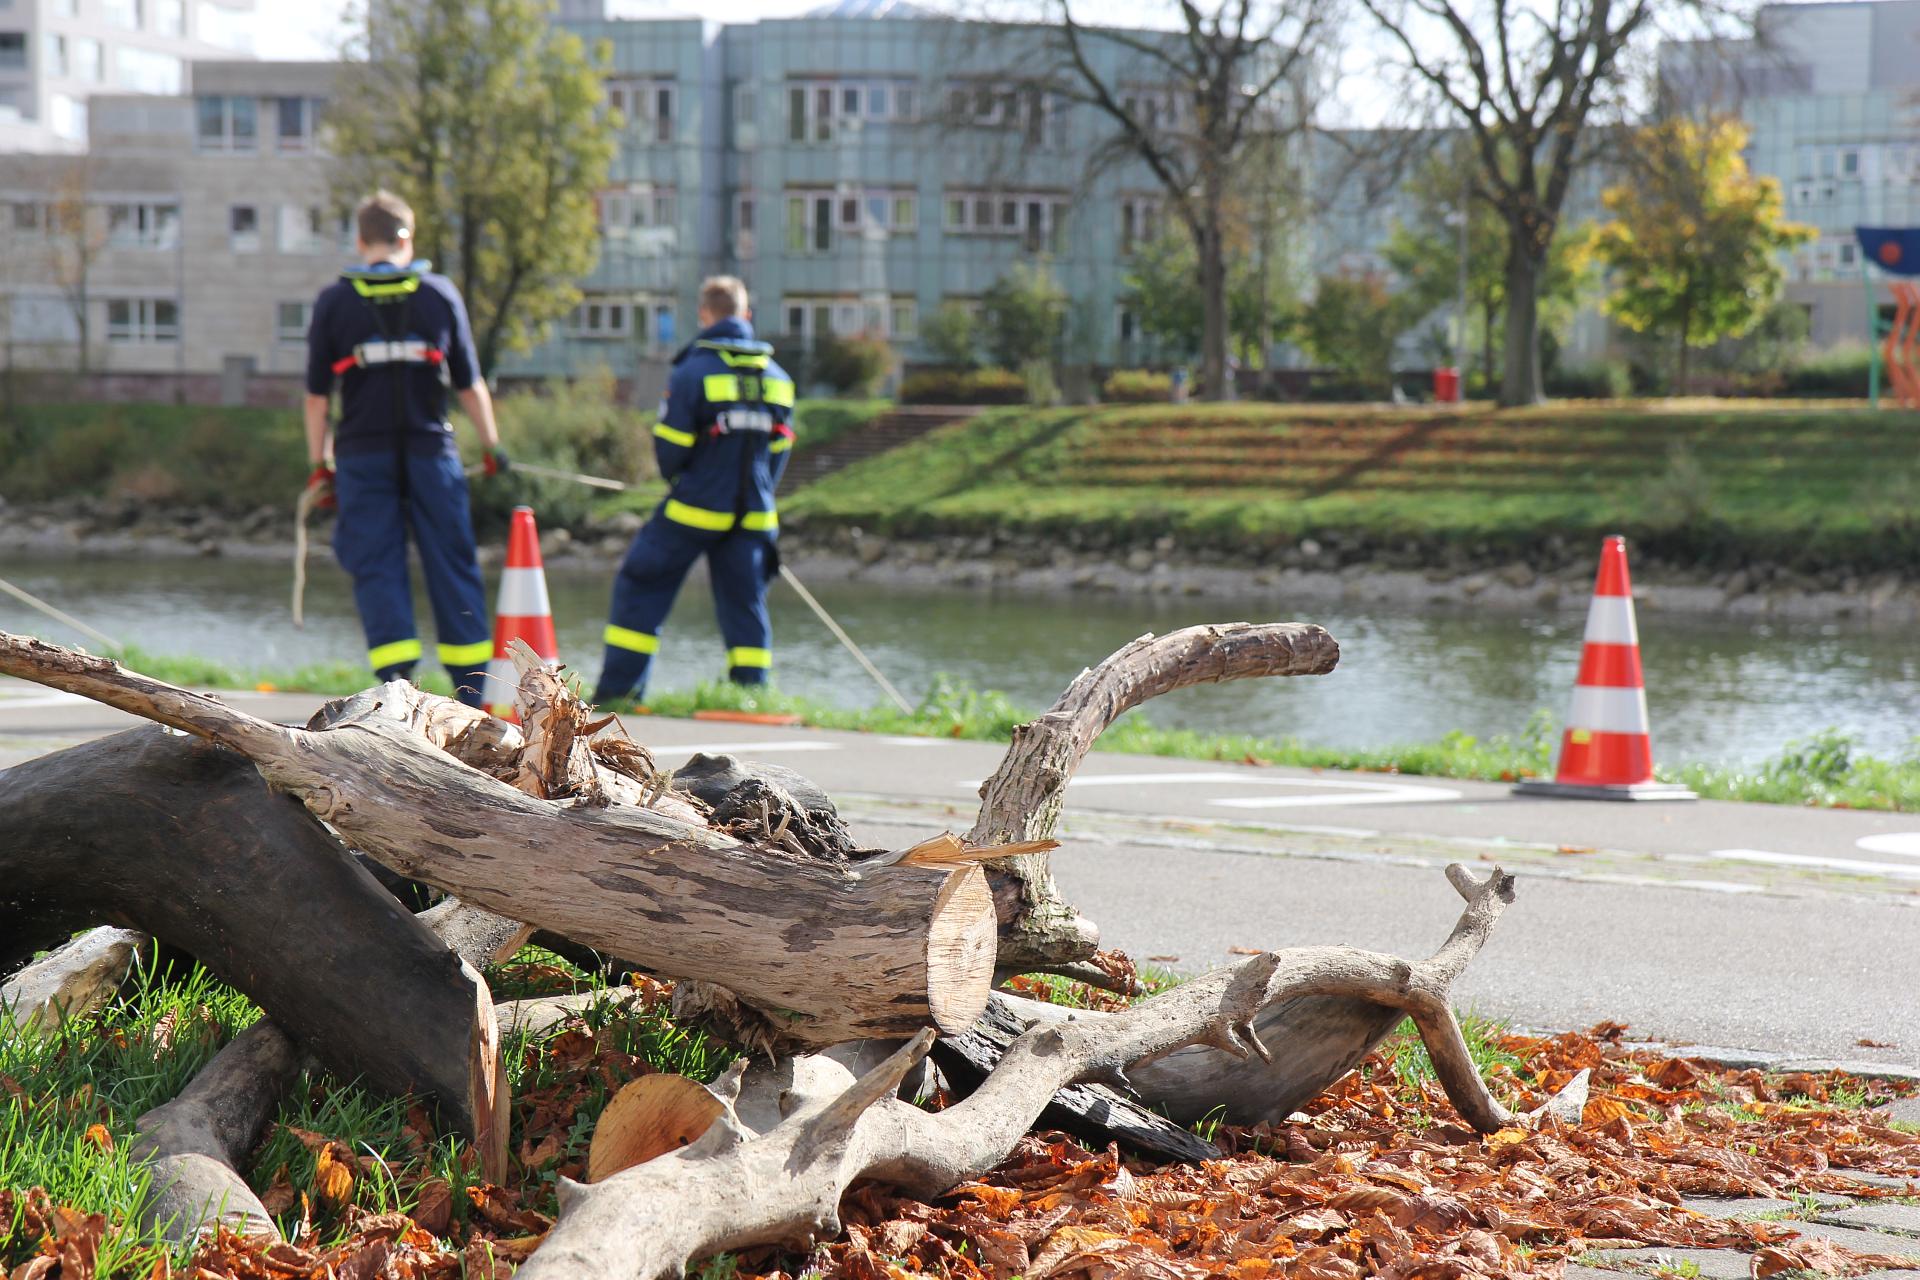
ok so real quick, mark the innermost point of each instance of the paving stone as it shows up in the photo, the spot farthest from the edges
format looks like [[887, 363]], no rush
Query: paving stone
[[1714, 1264], [1878, 1179], [1575, 1271], [1880, 1275], [1750, 1206], [1865, 1241], [1866, 1070], [1902, 1109], [1903, 1218]]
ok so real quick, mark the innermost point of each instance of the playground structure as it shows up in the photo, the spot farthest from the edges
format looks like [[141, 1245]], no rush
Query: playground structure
[[1896, 251]]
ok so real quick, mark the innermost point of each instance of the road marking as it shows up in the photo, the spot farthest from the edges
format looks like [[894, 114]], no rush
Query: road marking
[[1901, 844], [913, 742], [732, 748], [1856, 865], [1348, 793]]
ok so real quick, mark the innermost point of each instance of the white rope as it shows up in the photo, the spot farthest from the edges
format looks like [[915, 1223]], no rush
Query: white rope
[[67, 619]]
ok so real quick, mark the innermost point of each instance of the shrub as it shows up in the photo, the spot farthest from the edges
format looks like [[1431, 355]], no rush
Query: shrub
[[963, 386], [1037, 377], [1024, 311], [952, 336], [1608, 380], [1137, 386], [852, 366], [570, 426], [1839, 370]]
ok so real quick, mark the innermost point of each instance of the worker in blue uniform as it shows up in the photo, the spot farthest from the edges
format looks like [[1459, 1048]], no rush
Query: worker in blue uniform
[[722, 441], [394, 336]]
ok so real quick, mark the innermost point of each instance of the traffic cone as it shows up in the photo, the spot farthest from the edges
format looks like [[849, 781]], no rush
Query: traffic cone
[[1607, 750], [523, 614]]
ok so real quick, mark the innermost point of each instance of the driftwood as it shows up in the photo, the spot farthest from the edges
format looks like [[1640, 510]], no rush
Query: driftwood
[[177, 838], [1024, 797], [197, 1142], [827, 953], [737, 1185], [70, 982]]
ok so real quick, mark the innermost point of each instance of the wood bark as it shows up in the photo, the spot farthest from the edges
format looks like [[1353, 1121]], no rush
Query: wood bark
[[1024, 797], [70, 982], [828, 953], [737, 1186], [178, 839], [197, 1143]]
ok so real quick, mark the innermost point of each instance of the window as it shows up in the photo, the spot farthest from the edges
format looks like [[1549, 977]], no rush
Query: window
[[228, 28], [144, 71], [228, 124], [142, 320], [743, 227], [123, 13], [822, 114], [13, 50], [815, 107], [143, 226], [646, 106], [1139, 221], [604, 319], [810, 319], [796, 115], [243, 229], [796, 225], [66, 8], [814, 217], [27, 216], [170, 16], [624, 210], [67, 117], [904, 319], [1037, 218], [290, 320], [746, 131], [1848, 254], [84, 58], [54, 61], [309, 229], [822, 224], [296, 121]]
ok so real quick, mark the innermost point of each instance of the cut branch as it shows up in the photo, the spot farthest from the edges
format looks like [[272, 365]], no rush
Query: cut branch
[[1024, 797], [885, 951], [71, 982], [734, 1187]]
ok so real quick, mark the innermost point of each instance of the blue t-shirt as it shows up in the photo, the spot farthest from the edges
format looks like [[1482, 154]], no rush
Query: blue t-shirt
[[395, 338]]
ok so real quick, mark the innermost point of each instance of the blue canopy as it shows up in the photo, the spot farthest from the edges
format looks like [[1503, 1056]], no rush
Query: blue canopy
[[1892, 249]]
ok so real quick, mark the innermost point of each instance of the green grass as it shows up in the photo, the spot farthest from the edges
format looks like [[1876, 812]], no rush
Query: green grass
[[1410, 1064], [144, 1047], [1714, 482], [1826, 770]]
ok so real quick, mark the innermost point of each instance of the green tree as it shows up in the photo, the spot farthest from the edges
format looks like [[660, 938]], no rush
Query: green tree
[[1692, 247], [1163, 291], [486, 117], [952, 335], [1352, 323], [1024, 311]]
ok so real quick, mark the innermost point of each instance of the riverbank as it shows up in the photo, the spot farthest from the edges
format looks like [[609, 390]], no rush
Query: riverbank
[[1557, 576]]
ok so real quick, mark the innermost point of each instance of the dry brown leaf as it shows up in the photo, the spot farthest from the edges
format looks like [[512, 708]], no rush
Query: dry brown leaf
[[333, 1174], [433, 1207]]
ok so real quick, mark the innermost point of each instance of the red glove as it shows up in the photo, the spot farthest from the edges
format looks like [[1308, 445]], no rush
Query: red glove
[[494, 461], [322, 481]]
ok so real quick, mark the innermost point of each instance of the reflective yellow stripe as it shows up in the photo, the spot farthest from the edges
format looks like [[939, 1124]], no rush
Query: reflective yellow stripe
[[750, 657], [777, 391], [742, 362], [764, 521], [780, 444], [634, 641], [699, 517], [721, 387], [466, 655], [368, 289], [685, 439], [392, 655]]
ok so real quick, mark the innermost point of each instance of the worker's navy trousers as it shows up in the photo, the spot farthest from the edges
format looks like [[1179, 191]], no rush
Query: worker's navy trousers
[[739, 562], [378, 505]]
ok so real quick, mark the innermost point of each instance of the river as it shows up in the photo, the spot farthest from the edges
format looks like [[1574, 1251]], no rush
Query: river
[[1719, 690]]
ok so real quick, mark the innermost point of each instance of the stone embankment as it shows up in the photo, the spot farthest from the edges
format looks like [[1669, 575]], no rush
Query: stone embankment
[[1557, 576]]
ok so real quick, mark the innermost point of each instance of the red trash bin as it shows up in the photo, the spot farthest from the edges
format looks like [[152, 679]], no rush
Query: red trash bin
[[1446, 385]]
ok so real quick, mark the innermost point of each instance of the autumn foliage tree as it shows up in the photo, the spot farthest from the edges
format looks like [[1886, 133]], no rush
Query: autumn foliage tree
[[1693, 247], [488, 119]]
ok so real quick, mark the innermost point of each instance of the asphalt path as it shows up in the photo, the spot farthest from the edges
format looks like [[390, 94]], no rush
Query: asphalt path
[[1788, 931]]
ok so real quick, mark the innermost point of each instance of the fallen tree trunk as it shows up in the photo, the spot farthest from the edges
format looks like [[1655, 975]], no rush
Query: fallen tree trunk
[[735, 1187], [197, 1142], [178, 839], [826, 952], [1024, 797]]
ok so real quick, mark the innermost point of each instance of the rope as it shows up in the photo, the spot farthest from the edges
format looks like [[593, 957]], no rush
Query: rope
[[301, 510], [66, 619]]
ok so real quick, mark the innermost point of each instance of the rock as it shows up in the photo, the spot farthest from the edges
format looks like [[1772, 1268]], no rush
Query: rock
[[1309, 548], [1164, 544], [1518, 575], [626, 523], [1139, 560], [871, 550], [1473, 584]]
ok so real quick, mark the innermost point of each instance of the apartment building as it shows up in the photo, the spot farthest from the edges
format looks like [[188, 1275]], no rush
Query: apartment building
[[189, 239], [57, 55], [1831, 93]]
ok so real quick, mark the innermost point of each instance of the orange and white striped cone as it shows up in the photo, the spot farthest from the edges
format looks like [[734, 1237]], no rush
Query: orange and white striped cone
[[523, 614], [1606, 752]]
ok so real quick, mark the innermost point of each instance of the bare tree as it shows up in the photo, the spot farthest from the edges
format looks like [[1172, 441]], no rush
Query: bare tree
[[75, 235], [1528, 83], [1194, 105]]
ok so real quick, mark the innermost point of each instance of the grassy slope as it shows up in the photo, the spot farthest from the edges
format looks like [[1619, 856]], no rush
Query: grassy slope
[[1714, 480]]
